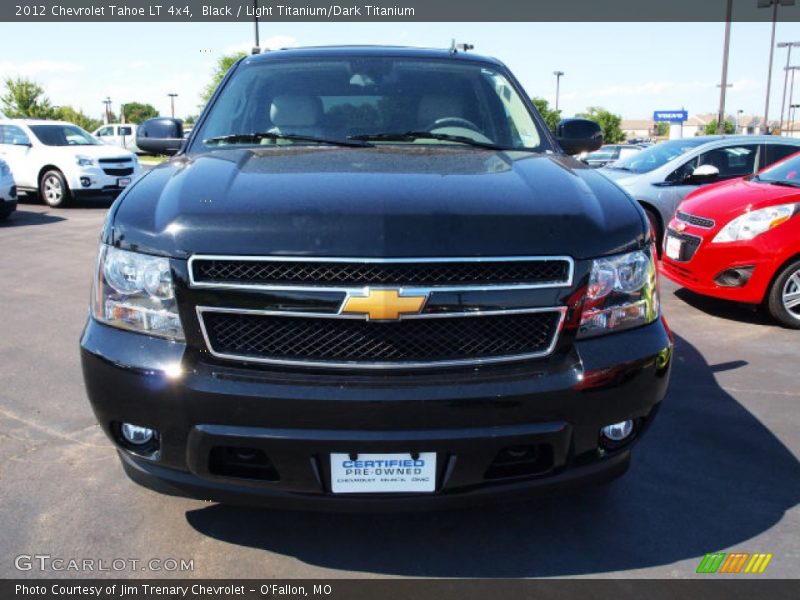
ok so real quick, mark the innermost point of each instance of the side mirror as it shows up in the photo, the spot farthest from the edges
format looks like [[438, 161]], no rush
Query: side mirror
[[161, 135], [704, 174], [579, 135]]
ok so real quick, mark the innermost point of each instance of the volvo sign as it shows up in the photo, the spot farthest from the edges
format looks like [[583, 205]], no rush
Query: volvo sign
[[670, 116]]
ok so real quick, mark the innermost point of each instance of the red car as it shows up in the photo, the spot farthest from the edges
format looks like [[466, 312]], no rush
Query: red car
[[740, 240]]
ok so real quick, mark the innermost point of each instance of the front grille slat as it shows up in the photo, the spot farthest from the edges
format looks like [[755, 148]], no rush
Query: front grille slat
[[422, 274], [336, 341], [695, 220], [122, 159], [118, 172]]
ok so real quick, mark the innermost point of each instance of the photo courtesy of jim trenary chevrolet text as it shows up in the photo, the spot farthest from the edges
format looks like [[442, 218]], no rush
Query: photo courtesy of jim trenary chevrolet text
[[399, 299]]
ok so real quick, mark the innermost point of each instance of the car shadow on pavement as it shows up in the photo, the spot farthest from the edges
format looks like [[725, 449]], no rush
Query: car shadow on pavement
[[33, 200], [724, 309], [21, 218], [707, 476]]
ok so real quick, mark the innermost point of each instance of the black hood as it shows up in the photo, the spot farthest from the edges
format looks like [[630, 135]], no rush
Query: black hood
[[388, 201]]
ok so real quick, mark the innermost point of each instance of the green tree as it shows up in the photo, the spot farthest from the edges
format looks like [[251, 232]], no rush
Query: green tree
[[224, 64], [136, 112], [730, 128], [190, 120], [76, 117], [550, 115], [662, 128], [25, 98], [610, 123]]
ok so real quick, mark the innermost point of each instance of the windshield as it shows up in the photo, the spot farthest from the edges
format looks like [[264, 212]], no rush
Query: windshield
[[657, 156], [383, 99], [63, 135], [602, 153], [787, 170]]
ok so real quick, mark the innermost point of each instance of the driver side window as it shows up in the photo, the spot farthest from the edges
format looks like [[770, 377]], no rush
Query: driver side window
[[730, 161]]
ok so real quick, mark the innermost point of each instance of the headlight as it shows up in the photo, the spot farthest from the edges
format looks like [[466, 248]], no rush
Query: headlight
[[134, 291], [84, 161], [622, 294], [751, 224]]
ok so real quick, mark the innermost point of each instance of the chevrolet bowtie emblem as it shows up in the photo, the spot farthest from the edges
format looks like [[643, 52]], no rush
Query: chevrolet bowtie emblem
[[384, 305]]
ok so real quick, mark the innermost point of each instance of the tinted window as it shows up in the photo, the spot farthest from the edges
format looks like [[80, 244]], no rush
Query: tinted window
[[339, 98], [125, 131], [11, 134], [104, 131], [731, 161], [62, 135], [776, 152]]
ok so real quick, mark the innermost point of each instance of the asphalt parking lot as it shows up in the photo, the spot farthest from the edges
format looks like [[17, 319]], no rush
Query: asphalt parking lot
[[718, 471]]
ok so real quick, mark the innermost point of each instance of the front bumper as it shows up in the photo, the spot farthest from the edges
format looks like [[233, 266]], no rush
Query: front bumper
[[100, 186], [700, 273], [298, 418]]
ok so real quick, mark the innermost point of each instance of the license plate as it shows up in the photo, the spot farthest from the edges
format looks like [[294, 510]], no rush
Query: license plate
[[379, 473], [123, 182], [674, 247]]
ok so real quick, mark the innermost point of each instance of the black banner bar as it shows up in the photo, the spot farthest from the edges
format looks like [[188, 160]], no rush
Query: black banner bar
[[739, 588], [391, 10]]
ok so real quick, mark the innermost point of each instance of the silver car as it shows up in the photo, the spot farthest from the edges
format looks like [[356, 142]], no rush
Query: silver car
[[660, 176]]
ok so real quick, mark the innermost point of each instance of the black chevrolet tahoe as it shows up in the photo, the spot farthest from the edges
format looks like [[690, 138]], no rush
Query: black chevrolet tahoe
[[371, 277]]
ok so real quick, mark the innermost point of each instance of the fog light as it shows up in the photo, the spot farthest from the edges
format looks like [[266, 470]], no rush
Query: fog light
[[86, 181], [618, 432], [136, 434]]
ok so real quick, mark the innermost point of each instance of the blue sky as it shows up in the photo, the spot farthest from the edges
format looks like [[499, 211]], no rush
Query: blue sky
[[629, 68]]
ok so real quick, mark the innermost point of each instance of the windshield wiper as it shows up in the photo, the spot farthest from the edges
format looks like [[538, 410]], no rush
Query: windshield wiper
[[613, 166], [238, 138], [410, 136]]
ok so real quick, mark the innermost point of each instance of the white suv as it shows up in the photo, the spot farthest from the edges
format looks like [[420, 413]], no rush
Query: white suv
[[61, 161]]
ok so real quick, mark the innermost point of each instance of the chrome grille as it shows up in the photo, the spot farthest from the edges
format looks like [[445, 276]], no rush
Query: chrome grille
[[413, 342], [276, 271]]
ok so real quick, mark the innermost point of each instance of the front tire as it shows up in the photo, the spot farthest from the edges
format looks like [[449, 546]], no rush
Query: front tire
[[656, 230], [53, 189], [783, 299]]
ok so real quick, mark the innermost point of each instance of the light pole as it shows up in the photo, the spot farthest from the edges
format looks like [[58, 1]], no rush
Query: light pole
[[738, 120], [774, 4], [559, 75], [725, 53], [721, 121], [257, 47], [793, 114], [107, 102], [791, 94], [789, 46], [172, 103]]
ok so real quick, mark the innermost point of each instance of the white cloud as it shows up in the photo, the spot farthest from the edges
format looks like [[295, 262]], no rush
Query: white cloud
[[37, 67]]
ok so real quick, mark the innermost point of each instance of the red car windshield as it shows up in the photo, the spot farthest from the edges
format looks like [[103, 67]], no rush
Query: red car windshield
[[787, 170]]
